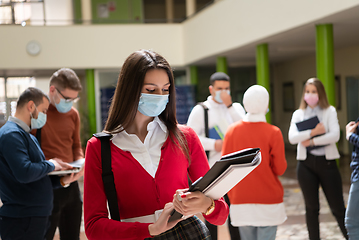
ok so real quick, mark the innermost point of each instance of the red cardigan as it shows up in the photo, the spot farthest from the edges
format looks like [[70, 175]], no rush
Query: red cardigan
[[138, 193], [261, 186]]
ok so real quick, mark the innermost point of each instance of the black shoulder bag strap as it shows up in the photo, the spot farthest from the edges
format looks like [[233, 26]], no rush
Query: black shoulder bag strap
[[206, 131], [38, 135], [107, 175]]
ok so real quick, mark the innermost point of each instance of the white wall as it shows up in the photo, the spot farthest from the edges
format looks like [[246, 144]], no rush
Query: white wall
[[222, 26], [37, 14], [95, 46], [296, 71], [43, 84], [58, 12]]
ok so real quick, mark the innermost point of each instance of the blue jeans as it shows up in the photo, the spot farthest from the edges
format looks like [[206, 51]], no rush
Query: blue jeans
[[352, 213], [258, 233]]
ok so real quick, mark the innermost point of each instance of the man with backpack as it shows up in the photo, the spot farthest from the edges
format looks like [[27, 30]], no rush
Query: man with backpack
[[217, 112]]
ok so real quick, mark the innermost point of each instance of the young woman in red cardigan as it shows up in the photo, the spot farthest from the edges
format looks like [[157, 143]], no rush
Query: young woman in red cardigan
[[152, 157]]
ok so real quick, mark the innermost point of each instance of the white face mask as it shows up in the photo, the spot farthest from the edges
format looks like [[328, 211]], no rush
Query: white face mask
[[39, 122], [63, 106], [218, 95], [152, 105]]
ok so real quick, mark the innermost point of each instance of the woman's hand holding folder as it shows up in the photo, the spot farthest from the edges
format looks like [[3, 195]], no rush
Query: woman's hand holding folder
[[190, 203], [318, 130]]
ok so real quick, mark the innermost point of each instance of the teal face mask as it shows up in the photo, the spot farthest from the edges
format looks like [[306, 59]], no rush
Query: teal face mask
[[152, 105], [63, 106], [39, 122], [218, 95]]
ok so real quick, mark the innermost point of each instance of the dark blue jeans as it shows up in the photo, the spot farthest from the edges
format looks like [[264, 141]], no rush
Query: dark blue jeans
[[311, 173], [28, 228], [352, 214]]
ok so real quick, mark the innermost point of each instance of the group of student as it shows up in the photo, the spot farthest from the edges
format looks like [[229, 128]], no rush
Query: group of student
[[257, 201], [34, 204], [153, 158]]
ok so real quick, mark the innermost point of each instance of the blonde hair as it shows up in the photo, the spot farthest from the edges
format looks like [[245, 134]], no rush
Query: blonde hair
[[323, 100]]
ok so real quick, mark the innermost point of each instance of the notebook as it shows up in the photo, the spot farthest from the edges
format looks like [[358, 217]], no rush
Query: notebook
[[225, 174]]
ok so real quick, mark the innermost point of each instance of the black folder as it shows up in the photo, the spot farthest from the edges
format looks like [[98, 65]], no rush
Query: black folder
[[225, 174], [307, 125]]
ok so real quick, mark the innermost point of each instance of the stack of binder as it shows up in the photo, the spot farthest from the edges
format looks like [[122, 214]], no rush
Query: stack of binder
[[225, 174]]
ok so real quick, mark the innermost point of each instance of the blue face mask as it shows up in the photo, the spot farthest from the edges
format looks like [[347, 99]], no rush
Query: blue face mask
[[152, 105], [218, 95], [39, 122], [63, 106]]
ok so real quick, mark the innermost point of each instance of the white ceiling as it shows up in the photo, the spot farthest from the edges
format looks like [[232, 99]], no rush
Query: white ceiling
[[296, 42], [284, 46]]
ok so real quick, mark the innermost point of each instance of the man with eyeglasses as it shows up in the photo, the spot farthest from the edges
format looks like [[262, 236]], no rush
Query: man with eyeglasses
[[60, 139]]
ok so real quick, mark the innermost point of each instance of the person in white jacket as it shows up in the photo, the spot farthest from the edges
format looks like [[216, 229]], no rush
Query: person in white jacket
[[221, 113], [316, 152]]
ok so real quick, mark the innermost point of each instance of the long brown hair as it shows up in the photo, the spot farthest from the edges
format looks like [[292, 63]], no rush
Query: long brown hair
[[124, 104], [323, 100]]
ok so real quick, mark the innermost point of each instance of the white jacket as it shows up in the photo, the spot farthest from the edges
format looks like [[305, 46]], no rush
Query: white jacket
[[218, 114], [332, 135]]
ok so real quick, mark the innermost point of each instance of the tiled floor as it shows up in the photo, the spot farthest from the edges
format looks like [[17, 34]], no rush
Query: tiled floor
[[294, 228]]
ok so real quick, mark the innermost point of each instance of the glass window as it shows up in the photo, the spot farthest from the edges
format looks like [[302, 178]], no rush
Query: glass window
[[20, 11], [16, 85], [5, 15], [10, 91]]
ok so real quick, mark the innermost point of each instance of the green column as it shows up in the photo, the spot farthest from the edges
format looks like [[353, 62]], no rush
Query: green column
[[222, 65], [194, 75], [325, 59], [91, 102], [262, 60], [76, 4]]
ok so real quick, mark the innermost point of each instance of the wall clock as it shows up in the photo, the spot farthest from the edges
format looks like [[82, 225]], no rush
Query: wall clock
[[33, 48]]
